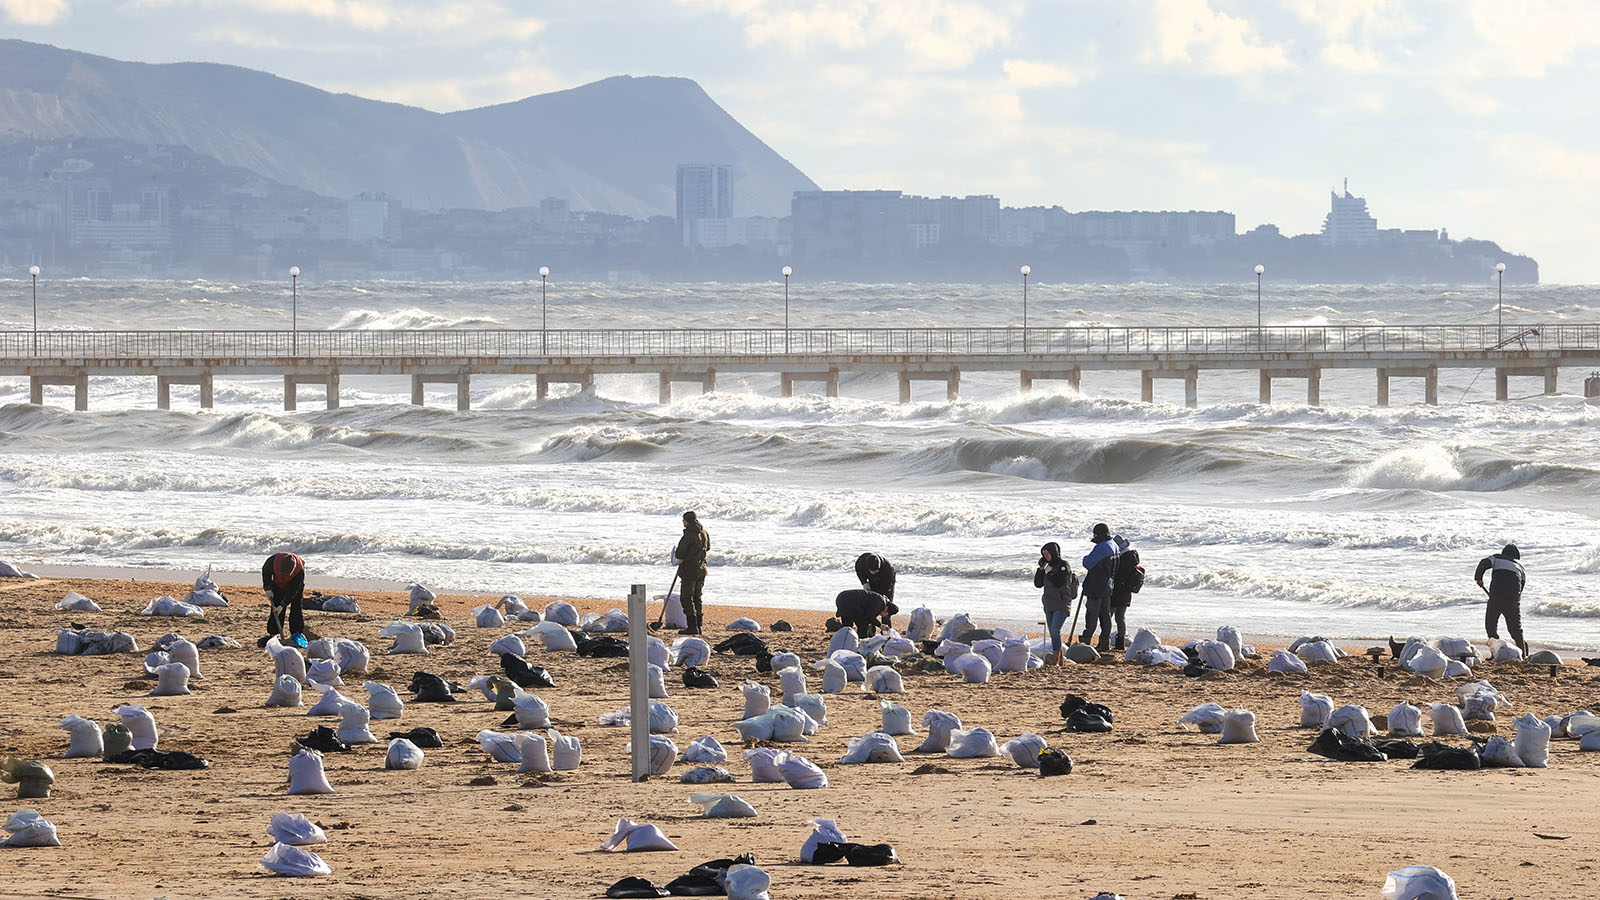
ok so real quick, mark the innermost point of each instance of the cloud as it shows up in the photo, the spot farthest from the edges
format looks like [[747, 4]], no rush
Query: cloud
[[1026, 73], [1353, 60], [933, 34], [1190, 31], [1533, 38], [454, 22], [35, 12]]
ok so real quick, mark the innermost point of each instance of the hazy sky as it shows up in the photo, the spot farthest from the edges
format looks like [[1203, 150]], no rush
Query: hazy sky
[[1476, 115]]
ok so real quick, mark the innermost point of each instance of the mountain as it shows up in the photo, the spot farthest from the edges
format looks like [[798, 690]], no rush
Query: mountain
[[611, 146]]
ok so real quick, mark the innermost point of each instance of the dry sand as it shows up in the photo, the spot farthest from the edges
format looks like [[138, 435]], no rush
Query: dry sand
[[1150, 811]]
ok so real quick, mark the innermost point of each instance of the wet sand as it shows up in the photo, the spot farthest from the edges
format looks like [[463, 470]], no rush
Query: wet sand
[[1151, 811]]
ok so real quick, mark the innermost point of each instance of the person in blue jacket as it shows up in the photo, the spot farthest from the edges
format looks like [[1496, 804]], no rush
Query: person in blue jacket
[[1100, 568]]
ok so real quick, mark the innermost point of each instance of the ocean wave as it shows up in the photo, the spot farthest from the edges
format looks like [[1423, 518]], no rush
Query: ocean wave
[[1114, 461], [1444, 467], [408, 319]]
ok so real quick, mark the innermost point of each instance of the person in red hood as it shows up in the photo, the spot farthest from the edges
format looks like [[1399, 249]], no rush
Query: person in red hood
[[283, 577]]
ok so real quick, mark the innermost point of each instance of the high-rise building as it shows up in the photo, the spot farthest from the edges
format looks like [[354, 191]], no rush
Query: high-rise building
[[705, 191], [1348, 221]]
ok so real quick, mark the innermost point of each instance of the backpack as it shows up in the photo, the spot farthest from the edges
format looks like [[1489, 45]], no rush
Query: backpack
[[1071, 587], [1129, 575]]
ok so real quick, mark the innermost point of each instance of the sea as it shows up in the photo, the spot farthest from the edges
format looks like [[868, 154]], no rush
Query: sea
[[1344, 520]]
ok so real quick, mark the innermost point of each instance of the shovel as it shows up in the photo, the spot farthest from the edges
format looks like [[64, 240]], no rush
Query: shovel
[[665, 600], [1072, 636]]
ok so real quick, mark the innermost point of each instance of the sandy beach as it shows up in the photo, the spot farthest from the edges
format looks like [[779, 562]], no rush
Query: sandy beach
[[1151, 811]]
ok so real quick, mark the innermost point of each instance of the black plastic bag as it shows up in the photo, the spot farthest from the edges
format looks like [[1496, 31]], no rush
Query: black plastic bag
[[829, 852], [170, 760], [523, 674], [634, 886], [602, 647], [874, 855], [1087, 720], [742, 644], [1437, 756], [698, 678], [1336, 745], [781, 625], [1054, 762], [324, 739], [425, 738], [430, 688], [696, 885], [1398, 749], [764, 661]]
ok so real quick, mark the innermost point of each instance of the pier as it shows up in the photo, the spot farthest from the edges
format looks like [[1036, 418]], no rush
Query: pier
[[811, 356]]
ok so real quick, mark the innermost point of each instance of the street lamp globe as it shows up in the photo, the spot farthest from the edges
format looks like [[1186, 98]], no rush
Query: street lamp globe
[[544, 271], [1260, 269], [1499, 267], [1027, 270], [787, 271], [34, 271], [294, 271]]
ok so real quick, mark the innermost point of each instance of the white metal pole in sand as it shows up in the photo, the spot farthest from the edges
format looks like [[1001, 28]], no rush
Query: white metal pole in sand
[[639, 681]]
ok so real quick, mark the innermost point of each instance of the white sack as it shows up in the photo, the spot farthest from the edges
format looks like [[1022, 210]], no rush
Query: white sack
[[873, 747], [420, 597], [295, 830], [324, 672], [812, 705], [76, 602], [792, 681], [508, 643], [705, 749], [1533, 741], [834, 679], [634, 837], [824, 831], [1025, 750], [327, 704], [896, 718], [1239, 727], [29, 829], [1206, 718], [84, 737], [1427, 662], [561, 613], [723, 806], [757, 699], [920, 628], [1419, 883], [978, 742], [1315, 710], [294, 862], [306, 775], [1500, 753], [843, 639], [567, 751], [657, 688], [1352, 721], [141, 725], [488, 617], [801, 773], [383, 701], [941, 726], [974, 668], [402, 754], [1227, 634], [554, 636], [764, 764], [691, 651], [885, 680], [353, 724], [500, 747], [1446, 719], [743, 624], [1284, 661], [531, 710], [535, 752], [1216, 654], [1405, 720]]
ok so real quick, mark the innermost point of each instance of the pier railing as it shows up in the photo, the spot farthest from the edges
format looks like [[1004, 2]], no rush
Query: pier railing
[[776, 342]]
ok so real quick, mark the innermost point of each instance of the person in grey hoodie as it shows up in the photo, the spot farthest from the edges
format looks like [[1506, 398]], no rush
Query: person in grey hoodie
[[1060, 587], [1100, 568]]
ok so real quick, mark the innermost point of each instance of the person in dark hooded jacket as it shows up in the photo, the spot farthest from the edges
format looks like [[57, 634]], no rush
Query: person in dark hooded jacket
[[1055, 577], [875, 574], [1506, 581], [691, 553], [864, 611], [1100, 570]]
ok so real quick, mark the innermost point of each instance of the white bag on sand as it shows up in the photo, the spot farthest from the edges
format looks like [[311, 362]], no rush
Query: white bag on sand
[[1317, 652], [990, 649], [812, 705], [896, 718], [566, 750], [1286, 662], [834, 679], [1457, 647], [1352, 721], [792, 681], [488, 617], [672, 614], [1504, 651], [535, 752], [1446, 719], [561, 612], [657, 688], [141, 725], [743, 624], [941, 726], [531, 710], [885, 680], [824, 831], [1533, 741], [1580, 724], [1014, 657], [185, 652], [286, 661], [285, 692], [634, 837], [955, 626], [1455, 668], [855, 665], [295, 830], [508, 643], [206, 592], [1144, 641], [383, 701], [306, 775], [979, 742], [801, 773], [663, 753], [327, 704], [353, 724], [76, 602], [1315, 710], [705, 749], [920, 628], [1500, 753], [1589, 742], [1025, 750], [872, 747], [402, 754], [723, 806], [1482, 689], [764, 764], [407, 638], [1239, 727], [780, 723], [172, 680], [500, 747], [85, 738], [555, 637], [171, 606], [663, 718], [747, 883], [706, 775], [781, 661], [757, 699], [1227, 634], [1478, 707], [974, 668], [1216, 654], [324, 672], [946, 648], [613, 621], [340, 603], [656, 652], [1205, 718], [29, 829], [843, 639], [420, 597], [512, 605], [1405, 720], [1427, 662], [691, 651], [953, 657], [1419, 883], [294, 862]]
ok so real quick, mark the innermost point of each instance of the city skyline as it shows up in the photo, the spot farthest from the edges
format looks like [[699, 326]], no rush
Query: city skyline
[[1453, 117]]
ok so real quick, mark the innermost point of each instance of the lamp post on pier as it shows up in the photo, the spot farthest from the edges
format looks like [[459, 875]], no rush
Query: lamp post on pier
[[33, 272], [294, 310], [787, 271], [544, 312], [1026, 271], [1500, 303], [1260, 335]]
